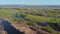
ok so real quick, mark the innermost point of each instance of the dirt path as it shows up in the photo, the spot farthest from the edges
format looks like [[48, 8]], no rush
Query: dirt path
[[1, 26]]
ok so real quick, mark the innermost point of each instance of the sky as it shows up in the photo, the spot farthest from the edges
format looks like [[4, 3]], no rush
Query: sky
[[29, 2]]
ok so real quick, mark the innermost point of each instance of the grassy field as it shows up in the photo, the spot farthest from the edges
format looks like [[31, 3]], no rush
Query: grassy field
[[34, 18], [40, 18], [7, 14]]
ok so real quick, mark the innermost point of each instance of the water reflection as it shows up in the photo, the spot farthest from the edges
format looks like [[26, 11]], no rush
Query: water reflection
[[54, 26], [42, 24], [10, 29]]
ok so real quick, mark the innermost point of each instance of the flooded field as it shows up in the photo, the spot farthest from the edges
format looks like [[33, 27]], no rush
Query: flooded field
[[35, 20]]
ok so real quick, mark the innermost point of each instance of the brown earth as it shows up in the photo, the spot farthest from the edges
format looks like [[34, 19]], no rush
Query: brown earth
[[28, 29]]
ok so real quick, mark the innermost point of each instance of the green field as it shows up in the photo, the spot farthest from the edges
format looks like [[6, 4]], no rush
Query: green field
[[35, 16], [7, 14]]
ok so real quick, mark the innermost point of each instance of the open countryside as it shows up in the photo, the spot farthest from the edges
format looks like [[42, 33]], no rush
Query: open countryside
[[29, 21]]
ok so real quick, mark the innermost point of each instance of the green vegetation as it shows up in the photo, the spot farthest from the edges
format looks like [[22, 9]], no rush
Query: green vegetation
[[46, 16], [48, 28], [39, 18], [5, 13], [32, 16]]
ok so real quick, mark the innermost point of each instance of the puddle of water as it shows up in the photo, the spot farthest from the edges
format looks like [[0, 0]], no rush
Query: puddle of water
[[55, 27], [17, 16], [10, 29]]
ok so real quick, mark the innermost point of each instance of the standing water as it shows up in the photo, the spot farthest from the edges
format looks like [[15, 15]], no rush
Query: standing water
[[10, 29]]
